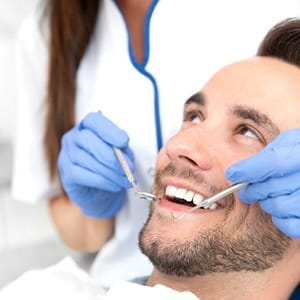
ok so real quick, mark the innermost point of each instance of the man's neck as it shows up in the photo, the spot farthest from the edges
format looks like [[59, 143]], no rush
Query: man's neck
[[233, 285]]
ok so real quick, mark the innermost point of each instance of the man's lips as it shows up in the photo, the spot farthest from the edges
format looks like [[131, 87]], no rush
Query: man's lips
[[181, 198]]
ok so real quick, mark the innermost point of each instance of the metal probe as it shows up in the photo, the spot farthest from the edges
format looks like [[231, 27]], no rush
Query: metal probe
[[130, 177], [206, 203]]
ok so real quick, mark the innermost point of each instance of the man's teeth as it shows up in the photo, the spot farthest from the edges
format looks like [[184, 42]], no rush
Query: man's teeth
[[197, 199], [189, 196]]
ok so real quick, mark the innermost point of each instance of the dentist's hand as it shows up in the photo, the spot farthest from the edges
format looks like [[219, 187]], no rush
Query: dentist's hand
[[274, 174], [90, 172]]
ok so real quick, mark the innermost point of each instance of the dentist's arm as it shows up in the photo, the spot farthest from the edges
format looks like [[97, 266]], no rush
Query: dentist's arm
[[274, 174], [78, 231], [93, 180]]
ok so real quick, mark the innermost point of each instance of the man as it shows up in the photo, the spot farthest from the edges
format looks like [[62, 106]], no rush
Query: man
[[231, 250]]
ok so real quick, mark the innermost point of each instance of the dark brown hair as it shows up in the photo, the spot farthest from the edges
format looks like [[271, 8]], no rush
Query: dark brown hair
[[283, 42], [71, 24]]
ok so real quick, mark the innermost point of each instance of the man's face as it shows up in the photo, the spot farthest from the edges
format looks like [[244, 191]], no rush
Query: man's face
[[239, 111]]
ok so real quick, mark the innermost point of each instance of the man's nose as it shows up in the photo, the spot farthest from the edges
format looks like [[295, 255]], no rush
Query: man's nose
[[193, 147]]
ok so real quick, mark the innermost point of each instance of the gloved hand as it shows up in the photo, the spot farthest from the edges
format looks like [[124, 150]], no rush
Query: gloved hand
[[90, 172], [274, 177]]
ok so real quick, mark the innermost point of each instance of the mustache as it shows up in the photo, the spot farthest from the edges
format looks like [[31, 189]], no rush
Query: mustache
[[187, 174], [195, 179]]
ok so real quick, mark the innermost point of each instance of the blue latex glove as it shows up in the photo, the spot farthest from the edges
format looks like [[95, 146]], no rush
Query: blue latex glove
[[90, 172], [274, 174]]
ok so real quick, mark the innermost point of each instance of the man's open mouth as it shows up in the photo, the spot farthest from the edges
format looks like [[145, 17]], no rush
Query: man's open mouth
[[186, 197]]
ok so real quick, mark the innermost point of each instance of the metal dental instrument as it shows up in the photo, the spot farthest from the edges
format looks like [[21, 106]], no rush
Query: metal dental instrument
[[129, 175], [206, 203]]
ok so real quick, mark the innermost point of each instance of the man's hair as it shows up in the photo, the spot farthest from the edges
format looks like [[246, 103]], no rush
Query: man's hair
[[283, 42]]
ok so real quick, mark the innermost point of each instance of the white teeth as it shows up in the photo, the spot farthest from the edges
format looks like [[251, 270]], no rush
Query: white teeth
[[180, 193], [213, 206], [197, 199], [189, 196], [170, 191]]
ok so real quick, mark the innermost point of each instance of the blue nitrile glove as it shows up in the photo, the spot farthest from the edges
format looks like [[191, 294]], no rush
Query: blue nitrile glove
[[274, 174], [90, 172]]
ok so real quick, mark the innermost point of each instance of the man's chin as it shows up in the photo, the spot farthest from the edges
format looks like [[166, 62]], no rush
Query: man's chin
[[192, 247], [164, 221]]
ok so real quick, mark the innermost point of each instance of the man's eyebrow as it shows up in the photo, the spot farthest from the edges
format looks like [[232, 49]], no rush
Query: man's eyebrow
[[197, 98], [261, 119]]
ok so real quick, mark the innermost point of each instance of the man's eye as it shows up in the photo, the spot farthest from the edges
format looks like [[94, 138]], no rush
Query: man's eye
[[250, 132], [193, 116]]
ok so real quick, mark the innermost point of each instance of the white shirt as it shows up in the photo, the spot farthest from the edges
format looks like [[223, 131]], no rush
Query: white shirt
[[66, 280], [188, 41]]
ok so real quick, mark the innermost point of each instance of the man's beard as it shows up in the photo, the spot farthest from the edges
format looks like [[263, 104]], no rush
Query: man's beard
[[232, 246]]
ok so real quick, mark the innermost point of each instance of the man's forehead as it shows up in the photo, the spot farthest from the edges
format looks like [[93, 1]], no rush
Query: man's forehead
[[269, 85], [263, 71]]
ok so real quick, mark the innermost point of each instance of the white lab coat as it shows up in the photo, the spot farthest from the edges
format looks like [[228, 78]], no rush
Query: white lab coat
[[188, 41]]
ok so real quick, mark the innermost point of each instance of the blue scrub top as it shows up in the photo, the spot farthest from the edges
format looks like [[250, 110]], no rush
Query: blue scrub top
[[296, 294]]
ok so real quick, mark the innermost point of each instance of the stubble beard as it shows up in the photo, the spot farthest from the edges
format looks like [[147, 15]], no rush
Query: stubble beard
[[243, 245]]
